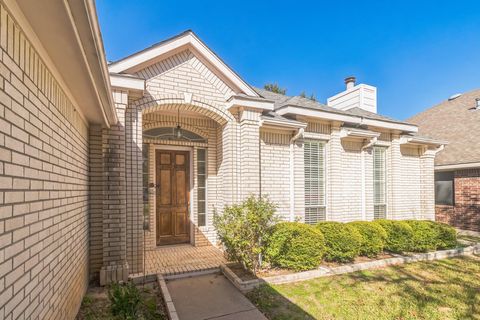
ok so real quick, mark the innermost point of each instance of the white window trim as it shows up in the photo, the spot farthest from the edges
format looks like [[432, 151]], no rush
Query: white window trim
[[207, 220], [325, 200], [385, 174]]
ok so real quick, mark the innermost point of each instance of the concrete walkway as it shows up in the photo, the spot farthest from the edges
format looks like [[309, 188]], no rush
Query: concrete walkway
[[210, 297]]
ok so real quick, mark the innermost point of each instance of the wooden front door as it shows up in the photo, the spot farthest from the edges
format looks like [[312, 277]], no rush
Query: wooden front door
[[172, 194]]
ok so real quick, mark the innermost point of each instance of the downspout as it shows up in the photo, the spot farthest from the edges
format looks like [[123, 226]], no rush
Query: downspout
[[297, 135], [260, 160], [362, 155]]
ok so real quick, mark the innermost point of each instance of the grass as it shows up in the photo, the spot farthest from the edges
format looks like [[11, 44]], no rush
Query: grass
[[442, 289], [96, 305]]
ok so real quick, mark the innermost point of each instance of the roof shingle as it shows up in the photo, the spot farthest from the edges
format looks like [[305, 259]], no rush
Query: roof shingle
[[456, 121]]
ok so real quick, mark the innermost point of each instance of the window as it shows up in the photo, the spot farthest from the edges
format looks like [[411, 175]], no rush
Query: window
[[379, 183], [201, 186], [444, 188], [165, 133], [314, 157]]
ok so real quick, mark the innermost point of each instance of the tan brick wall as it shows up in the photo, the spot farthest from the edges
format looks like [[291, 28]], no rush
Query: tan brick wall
[[275, 169], [44, 187]]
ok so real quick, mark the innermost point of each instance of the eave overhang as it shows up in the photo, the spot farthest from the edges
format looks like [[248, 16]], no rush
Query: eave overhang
[[282, 124], [67, 36], [422, 141], [457, 166], [358, 133], [345, 118], [133, 85], [257, 103]]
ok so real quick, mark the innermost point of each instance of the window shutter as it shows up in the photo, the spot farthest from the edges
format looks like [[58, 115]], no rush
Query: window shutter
[[314, 160]]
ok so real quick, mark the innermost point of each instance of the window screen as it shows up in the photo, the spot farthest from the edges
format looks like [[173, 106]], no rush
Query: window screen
[[379, 183], [444, 188], [314, 157], [201, 186]]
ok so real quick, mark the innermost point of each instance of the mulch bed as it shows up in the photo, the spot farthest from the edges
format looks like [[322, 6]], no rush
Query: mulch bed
[[95, 304]]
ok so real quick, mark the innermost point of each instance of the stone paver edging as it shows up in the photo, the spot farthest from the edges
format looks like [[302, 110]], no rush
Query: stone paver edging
[[247, 285], [171, 312]]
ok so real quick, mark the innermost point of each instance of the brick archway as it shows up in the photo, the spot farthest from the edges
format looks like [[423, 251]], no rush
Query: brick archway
[[186, 103]]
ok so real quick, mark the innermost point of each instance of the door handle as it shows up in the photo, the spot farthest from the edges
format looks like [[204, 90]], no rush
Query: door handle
[[153, 185]]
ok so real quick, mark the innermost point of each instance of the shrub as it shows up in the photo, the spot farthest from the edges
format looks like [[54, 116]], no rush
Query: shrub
[[241, 229], [425, 235], [447, 236], [295, 245], [399, 235], [373, 238], [125, 300], [342, 241]]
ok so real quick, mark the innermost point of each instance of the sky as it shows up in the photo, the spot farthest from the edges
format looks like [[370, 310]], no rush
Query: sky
[[417, 53]]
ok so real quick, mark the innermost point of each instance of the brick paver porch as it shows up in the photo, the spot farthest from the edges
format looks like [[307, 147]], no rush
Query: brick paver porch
[[178, 259]]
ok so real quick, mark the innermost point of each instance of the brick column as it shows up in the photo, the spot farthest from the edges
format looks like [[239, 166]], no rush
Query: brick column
[[134, 188], [393, 174], [334, 182], [428, 185], [249, 153], [115, 266], [96, 200]]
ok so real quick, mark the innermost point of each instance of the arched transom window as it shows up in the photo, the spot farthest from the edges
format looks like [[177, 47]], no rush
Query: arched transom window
[[169, 133]]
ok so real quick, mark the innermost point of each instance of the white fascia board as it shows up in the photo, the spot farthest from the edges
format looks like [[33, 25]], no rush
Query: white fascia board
[[390, 125], [188, 39], [422, 141], [445, 167], [353, 133], [316, 114], [346, 118], [283, 124], [125, 82], [251, 103]]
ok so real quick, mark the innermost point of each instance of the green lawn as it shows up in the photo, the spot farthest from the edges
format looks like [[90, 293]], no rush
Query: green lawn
[[443, 289]]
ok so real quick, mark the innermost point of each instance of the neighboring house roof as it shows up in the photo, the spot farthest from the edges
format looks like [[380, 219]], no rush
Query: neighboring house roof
[[457, 121]]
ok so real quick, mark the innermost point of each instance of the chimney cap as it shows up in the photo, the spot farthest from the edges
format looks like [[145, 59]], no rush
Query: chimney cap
[[350, 81]]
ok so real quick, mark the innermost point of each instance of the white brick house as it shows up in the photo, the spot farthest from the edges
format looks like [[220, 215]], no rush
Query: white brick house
[[178, 101], [100, 163]]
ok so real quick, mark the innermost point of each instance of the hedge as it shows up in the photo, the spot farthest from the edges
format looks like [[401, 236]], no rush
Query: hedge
[[343, 241], [399, 235], [447, 236], [295, 246], [425, 235], [373, 238]]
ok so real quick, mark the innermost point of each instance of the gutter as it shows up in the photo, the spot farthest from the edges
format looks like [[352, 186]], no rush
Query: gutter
[[445, 167]]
